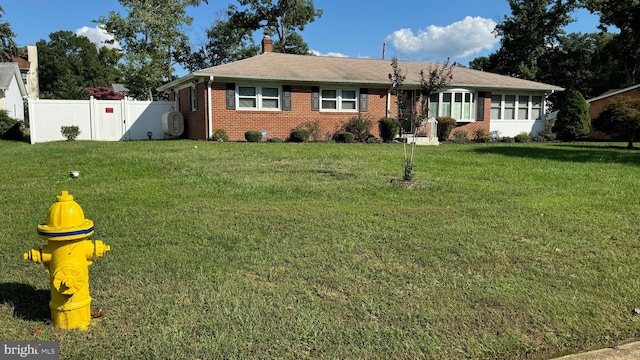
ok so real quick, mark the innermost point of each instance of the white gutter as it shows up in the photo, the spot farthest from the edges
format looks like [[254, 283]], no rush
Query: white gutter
[[209, 107], [388, 112]]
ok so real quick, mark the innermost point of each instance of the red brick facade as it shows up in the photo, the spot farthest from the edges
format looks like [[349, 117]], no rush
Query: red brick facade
[[276, 123], [596, 107], [280, 123], [472, 127]]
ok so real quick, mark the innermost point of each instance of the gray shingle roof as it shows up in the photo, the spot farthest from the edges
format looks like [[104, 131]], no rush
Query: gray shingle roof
[[7, 73], [318, 69], [9, 70]]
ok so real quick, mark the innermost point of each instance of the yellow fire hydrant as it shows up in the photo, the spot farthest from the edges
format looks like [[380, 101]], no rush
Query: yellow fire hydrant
[[67, 256]]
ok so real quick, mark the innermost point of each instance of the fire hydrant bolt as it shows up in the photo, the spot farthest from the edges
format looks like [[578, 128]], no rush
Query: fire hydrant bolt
[[67, 256]]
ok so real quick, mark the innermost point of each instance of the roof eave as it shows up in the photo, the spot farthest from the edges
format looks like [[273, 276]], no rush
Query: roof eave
[[179, 83], [612, 93]]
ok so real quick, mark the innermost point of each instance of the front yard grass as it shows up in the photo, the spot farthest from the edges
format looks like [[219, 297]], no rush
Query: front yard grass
[[238, 250]]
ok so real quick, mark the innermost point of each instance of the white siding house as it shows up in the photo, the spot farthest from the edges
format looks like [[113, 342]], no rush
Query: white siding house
[[12, 90]]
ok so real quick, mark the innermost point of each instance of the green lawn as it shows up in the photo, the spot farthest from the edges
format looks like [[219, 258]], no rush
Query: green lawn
[[242, 250]]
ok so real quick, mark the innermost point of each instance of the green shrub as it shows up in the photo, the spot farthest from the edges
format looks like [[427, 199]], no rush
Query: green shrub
[[315, 131], [388, 128], [445, 125], [343, 137], [523, 137], [14, 133], [507, 139], [299, 135], [481, 136], [253, 136], [6, 122], [460, 137], [220, 135], [539, 139], [10, 129], [573, 118], [479, 133], [373, 140], [70, 132], [360, 126], [274, 140]]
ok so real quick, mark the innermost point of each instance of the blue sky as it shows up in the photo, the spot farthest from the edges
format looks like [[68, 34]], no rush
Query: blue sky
[[417, 30]]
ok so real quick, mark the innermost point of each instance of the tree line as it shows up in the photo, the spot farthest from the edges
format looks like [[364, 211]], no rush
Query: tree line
[[151, 41], [534, 46]]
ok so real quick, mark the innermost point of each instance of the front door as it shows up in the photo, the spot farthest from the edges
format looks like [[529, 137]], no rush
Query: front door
[[406, 111]]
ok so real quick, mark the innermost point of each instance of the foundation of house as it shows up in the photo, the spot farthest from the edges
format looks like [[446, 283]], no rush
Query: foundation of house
[[422, 140]]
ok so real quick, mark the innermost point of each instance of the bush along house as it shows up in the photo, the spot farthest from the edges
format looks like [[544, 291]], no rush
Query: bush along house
[[275, 93]]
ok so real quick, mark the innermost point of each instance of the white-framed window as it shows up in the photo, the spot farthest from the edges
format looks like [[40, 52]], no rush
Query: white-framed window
[[339, 100], [536, 107], [509, 107], [496, 106], [193, 98], [459, 104], [516, 107], [253, 97]]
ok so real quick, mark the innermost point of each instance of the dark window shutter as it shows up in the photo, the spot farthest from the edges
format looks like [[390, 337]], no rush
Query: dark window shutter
[[286, 97], [315, 98], [480, 106], [231, 96], [364, 100]]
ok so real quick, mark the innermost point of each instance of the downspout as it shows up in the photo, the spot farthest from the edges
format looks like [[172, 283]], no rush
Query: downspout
[[388, 103], [545, 108], [209, 107]]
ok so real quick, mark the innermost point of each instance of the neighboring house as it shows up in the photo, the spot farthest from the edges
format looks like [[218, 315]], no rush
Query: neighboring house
[[29, 71], [121, 88], [598, 104], [12, 90], [277, 92]]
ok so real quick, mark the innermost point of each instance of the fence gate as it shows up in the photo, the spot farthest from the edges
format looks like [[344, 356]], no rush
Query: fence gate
[[109, 122]]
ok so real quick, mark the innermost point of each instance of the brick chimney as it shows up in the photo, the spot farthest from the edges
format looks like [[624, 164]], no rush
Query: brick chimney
[[267, 44]]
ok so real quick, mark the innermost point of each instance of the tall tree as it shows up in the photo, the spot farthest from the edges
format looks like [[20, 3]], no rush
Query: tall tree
[[624, 15], [150, 37], [281, 18], [69, 62], [526, 35], [8, 46], [227, 43]]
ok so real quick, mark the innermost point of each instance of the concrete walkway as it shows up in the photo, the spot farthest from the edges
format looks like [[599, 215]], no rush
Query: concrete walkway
[[629, 351]]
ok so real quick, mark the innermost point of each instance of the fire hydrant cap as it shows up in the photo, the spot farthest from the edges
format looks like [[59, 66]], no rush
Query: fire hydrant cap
[[65, 221]]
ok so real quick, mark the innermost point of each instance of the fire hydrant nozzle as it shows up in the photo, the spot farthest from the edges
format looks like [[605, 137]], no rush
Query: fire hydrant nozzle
[[67, 256]]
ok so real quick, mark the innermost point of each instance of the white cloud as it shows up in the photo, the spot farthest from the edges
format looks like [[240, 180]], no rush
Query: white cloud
[[458, 40], [330, 53], [97, 35]]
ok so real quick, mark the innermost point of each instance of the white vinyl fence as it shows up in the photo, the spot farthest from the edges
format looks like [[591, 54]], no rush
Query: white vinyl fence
[[104, 120]]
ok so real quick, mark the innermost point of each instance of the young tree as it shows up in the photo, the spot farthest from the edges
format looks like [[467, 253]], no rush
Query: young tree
[[573, 118], [150, 36], [621, 119], [8, 46], [281, 18], [436, 78]]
